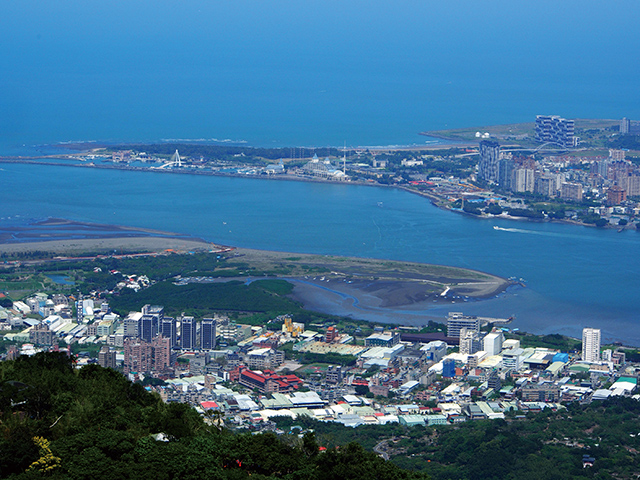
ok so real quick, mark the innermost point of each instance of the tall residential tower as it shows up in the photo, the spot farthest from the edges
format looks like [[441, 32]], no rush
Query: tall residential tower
[[591, 344], [489, 158]]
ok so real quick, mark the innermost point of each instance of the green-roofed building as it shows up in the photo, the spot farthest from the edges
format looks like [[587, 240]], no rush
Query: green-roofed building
[[411, 420]]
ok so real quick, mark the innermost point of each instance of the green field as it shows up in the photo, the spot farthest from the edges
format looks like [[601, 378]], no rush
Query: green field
[[312, 368]]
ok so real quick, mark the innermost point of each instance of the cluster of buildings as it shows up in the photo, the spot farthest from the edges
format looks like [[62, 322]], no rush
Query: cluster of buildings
[[394, 375], [322, 169], [524, 174], [628, 126], [612, 179], [403, 377]]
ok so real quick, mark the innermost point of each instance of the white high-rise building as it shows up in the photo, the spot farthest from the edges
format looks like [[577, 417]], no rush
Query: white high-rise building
[[493, 343], [625, 125], [591, 344], [470, 342], [524, 180]]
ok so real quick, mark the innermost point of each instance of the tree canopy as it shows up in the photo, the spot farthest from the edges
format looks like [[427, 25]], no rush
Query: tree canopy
[[60, 422]]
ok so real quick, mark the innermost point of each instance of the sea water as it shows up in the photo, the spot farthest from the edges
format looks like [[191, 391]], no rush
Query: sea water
[[318, 73], [575, 276]]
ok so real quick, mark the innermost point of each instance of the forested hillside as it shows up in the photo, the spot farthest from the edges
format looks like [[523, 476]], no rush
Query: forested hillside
[[92, 423]]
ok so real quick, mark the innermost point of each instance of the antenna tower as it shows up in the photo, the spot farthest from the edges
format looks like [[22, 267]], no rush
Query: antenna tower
[[344, 159]]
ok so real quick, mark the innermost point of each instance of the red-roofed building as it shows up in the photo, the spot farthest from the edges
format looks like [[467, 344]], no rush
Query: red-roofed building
[[209, 405], [268, 381], [331, 334]]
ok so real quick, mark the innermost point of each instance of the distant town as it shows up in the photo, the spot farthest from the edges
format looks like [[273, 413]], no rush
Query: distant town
[[464, 370], [580, 171]]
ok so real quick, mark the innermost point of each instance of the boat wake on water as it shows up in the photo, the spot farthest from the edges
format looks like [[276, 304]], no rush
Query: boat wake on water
[[534, 232]]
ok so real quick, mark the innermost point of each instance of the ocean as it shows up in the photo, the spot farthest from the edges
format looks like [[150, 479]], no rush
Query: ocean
[[313, 73]]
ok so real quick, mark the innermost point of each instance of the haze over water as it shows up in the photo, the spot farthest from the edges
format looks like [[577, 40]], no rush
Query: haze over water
[[285, 73], [307, 73]]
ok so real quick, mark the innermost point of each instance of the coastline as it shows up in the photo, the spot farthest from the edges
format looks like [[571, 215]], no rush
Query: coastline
[[394, 283], [62, 236], [116, 245]]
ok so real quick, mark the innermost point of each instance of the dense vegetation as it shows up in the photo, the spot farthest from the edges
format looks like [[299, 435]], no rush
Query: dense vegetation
[[92, 423], [545, 445], [331, 358], [554, 341], [626, 141], [202, 299]]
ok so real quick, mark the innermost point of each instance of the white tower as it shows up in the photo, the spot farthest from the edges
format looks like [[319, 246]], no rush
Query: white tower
[[591, 344], [344, 159], [176, 160]]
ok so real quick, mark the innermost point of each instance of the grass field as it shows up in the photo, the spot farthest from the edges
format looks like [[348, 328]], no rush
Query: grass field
[[313, 368], [18, 288]]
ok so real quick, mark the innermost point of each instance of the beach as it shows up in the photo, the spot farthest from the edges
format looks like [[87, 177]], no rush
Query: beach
[[66, 237], [118, 245]]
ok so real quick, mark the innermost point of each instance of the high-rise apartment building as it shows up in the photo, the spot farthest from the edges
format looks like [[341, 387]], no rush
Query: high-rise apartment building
[[188, 335], [132, 324], [148, 327], [168, 329], [161, 354], [616, 195], [488, 167], [505, 173], [41, 335], [456, 321], [141, 356], [571, 192], [546, 185], [616, 155], [625, 125], [208, 334], [138, 355], [107, 357], [469, 341], [523, 180], [554, 129], [152, 316], [591, 344]]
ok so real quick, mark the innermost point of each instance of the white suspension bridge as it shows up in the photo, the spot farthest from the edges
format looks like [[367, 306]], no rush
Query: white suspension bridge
[[174, 161]]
